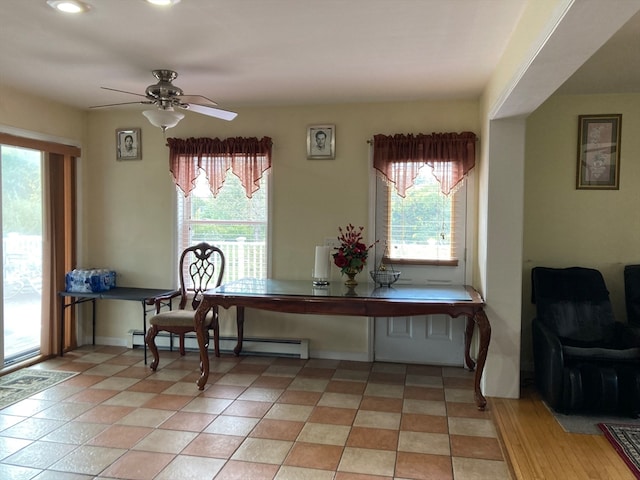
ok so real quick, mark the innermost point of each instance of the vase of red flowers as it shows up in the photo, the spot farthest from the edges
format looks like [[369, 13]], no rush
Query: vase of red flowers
[[351, 255]]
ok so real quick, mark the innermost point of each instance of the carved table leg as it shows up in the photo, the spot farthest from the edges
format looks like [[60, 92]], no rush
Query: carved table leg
[[203, 340], [468, 335], [240, 323], [150, 339], [215, 326], [484, 329]]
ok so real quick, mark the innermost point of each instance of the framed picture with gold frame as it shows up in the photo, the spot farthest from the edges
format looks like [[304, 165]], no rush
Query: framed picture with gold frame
[[599, 152], [128, 144]]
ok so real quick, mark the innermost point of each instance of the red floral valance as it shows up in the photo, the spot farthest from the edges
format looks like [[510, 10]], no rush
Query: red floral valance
[[248, 159], [399, 157]]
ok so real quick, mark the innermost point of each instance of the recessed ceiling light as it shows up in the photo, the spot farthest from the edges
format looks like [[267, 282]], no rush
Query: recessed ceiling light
[[69, 6], [163, 3]]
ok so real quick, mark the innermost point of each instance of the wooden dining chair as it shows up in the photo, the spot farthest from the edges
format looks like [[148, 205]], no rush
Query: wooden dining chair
[[201, 267]]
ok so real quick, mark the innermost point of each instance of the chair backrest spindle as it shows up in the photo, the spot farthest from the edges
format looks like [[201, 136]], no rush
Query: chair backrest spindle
[[201, 268]]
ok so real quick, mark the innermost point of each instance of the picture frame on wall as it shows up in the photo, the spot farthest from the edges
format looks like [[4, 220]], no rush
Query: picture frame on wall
[[321, 142], [599, 152], [128, 144]]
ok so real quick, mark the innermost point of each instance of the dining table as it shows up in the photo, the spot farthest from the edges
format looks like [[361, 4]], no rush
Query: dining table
[[363, 300]]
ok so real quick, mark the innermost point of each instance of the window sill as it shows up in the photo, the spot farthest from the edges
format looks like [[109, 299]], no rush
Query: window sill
[[453, 262]]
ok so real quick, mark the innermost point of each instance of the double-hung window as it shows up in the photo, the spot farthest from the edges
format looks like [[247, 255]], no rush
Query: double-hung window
[[222, 196]]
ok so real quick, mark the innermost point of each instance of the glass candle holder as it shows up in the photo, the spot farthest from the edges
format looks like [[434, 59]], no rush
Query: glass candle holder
[[321, 267]]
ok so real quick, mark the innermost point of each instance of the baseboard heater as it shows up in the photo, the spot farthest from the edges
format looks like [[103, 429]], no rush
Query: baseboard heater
[[279, 347]]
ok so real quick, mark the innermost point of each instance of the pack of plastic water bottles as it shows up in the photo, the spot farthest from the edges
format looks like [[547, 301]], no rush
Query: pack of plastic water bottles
[[90, 280]]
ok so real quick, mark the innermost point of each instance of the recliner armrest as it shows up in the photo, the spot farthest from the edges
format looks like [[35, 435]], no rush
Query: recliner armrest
[[630, 333]]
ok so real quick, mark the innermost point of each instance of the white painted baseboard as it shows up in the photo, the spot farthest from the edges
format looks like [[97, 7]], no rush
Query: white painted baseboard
[[259, 346], [283, 347]]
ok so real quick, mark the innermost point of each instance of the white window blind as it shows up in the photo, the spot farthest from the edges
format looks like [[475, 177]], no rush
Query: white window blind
[[424, 228]]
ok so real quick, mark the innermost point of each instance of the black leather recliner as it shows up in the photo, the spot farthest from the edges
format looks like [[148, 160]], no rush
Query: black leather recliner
[[584, 359]]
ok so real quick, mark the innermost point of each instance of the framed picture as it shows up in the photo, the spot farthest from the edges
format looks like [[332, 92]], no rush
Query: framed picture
[[599, 152], [128, 144], [321, 142]]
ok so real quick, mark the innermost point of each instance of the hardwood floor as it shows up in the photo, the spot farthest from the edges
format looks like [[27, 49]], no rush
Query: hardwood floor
[[538, 447]]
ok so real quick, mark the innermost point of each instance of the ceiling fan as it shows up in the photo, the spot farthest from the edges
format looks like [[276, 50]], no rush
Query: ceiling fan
[[167, 97]]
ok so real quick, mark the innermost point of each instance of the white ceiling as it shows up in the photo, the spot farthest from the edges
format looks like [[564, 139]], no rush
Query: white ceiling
[[276, 52]]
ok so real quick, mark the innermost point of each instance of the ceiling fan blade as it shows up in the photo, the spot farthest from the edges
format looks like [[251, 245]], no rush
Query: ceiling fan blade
[[123, 91], [199, 99], [143, 102], [211, 112]]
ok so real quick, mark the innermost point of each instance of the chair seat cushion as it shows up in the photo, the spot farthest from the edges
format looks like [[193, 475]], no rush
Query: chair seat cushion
[[178, 318], [619, 343], [601, 352]]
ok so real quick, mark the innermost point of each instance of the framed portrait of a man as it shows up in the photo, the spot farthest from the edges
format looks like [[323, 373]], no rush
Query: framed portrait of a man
[[128, 144], [321, 142]]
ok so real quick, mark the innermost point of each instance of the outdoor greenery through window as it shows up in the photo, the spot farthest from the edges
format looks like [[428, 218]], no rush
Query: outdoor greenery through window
[[422, 226], [22, 221], [236, 224], [421, 209]]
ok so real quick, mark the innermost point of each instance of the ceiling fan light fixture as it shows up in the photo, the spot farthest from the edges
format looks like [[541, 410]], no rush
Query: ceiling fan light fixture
[[163, 117], [69, 6], [163, 3]]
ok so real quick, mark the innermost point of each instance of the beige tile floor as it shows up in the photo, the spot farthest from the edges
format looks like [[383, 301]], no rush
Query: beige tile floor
[[259, 418]]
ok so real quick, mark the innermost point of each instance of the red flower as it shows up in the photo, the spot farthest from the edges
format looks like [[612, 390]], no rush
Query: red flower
[[340, 260], [352, 253]]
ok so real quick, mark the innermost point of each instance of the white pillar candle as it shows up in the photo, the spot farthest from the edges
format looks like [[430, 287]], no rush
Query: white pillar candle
[[321, 267]]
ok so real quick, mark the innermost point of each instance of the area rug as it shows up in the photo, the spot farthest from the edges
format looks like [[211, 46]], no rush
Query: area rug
[[588, 423], [23, 383], [626, 440]]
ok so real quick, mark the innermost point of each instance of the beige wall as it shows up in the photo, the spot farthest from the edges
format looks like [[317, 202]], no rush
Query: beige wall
[[47, 119], [567, 227], [128, 217]]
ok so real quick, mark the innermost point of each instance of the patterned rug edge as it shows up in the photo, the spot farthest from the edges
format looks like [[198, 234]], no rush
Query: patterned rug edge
[[21, 384], [625, 440]]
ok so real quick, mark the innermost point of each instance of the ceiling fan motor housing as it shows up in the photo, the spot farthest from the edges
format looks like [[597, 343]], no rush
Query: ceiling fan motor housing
[[164, 91]]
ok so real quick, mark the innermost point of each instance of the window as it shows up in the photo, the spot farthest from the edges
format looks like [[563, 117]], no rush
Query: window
[[38, 233], [424, 229], [421, 203], [421, 227], [236, 224], [22, 215], [222, 190]]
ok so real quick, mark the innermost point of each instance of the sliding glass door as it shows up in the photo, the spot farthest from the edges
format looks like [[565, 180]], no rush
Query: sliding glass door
[[22, 234]]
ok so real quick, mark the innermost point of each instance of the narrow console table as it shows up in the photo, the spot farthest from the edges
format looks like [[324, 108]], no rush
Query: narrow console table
[[146, 296], [366, 300]]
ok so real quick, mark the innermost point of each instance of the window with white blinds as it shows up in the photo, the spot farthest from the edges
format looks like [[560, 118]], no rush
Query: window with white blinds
[[425, 227]]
